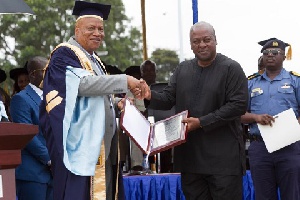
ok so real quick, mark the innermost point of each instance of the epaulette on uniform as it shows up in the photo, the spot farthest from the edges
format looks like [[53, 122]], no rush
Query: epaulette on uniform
[[253, 76], [295, 73]]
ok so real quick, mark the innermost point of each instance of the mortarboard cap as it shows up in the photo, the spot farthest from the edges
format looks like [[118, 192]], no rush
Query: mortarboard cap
[[14, 73], [2, 75], [83, 8], [111, 69], [134, 71], [276, 43]]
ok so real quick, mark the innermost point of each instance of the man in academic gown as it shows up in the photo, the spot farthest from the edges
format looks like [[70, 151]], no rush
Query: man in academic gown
[[78, 110]]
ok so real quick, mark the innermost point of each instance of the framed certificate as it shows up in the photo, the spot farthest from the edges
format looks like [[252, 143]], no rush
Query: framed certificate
[[153, 138]]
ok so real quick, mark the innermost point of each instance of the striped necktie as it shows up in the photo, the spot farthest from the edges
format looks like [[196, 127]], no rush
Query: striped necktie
[[97, 63]]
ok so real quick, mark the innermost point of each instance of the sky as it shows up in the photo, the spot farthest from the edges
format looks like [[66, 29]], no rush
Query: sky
[[239, 25]]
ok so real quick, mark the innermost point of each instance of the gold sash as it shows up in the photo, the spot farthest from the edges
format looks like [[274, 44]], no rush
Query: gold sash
[[118, 165], [98, 186]]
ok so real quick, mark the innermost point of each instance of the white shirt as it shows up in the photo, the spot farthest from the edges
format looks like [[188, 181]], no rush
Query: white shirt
[[37, 90], [2, 111]]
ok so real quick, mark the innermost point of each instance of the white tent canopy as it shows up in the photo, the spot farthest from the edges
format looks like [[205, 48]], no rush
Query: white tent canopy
[[15, 7]]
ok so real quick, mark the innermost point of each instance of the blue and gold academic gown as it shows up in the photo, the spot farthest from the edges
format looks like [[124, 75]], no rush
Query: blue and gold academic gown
[[74, 125]]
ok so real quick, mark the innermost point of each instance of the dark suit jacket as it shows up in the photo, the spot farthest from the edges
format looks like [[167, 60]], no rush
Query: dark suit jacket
[[25, 109]]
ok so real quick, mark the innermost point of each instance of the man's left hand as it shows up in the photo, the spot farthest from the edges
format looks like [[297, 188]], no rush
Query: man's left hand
[[192, 123], [121, 103]]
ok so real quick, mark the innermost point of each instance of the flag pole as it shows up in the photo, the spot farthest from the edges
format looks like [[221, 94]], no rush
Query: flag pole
[[180, 32], [195, 11], [145, 55]]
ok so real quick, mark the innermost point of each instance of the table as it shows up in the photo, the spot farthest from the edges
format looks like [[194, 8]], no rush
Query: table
[[168, 187], [154, 187]]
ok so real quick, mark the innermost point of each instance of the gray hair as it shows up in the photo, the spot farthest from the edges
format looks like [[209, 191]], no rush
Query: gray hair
[[203, 25]]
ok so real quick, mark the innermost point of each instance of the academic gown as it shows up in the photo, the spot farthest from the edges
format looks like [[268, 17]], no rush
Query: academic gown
[[74, 124]]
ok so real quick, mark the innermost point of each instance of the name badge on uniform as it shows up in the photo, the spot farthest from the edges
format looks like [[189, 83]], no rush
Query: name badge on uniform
[[256, 92], [285, 86]]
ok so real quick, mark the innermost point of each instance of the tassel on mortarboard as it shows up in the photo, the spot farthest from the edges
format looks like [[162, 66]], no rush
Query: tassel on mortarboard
[[289, 53]]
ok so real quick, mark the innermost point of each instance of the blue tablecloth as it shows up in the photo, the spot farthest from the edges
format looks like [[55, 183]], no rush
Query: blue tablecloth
[[167, 187], [154, 187], [248, 188]]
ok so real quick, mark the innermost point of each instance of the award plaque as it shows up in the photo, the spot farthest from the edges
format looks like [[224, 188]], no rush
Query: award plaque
[[153, 138]]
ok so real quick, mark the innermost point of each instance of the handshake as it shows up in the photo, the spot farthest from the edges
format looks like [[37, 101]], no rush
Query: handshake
[[139, 88]]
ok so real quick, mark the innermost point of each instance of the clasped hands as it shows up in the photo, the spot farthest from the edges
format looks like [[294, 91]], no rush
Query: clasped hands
[[139, 88]]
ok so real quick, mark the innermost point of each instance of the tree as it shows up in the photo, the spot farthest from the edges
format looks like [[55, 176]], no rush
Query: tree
[[25, 36], [122, 42], [166, 61]]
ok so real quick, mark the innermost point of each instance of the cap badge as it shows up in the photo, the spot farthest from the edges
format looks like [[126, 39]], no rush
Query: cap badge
[[275, 44]]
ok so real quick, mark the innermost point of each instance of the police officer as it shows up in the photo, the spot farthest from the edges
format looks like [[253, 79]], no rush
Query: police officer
[[270, 93]]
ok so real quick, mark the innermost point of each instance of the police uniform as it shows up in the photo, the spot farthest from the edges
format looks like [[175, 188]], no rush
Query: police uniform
[[282, 167]]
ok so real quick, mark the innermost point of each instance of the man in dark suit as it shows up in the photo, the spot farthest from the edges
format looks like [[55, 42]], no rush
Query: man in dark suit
[[33, 176], [213, 88]]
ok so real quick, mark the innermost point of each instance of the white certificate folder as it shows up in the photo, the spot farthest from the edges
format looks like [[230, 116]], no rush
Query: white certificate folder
[[284, 131], [153, 138]]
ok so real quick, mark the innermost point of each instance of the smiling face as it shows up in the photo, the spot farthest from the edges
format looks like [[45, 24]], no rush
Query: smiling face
[[89, 33], [203, 43]]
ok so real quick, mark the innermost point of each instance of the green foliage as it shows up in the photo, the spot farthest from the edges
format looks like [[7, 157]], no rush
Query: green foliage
[[35, 35], [166, 61], [25, 36], [122, 42]]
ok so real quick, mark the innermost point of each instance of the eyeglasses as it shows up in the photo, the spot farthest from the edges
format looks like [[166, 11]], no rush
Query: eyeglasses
[[273, 52]]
